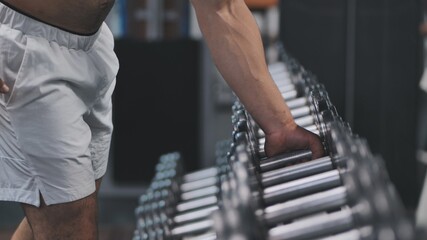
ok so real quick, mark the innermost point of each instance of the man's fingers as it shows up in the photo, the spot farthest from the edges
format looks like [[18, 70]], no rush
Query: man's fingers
[[316, 149], [317, 152], [3, 87]]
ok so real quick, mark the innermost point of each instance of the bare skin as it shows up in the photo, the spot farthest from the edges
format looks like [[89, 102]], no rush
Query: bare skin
[[239, 56], [79, 16], [66, 221], [23, 232]]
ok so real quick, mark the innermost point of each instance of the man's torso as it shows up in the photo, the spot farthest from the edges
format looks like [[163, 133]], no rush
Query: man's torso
[[80, 16]]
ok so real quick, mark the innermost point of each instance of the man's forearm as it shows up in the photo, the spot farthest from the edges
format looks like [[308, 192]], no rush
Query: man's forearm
[[235, 43]]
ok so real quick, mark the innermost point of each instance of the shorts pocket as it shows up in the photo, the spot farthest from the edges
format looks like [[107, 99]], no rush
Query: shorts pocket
[[12, 82]]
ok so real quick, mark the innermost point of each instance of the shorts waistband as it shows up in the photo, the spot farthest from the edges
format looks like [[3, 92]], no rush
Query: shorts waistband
[[33, 27]]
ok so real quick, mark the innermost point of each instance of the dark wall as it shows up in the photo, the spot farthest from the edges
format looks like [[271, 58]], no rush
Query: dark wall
[[381, 64], [156, 107]]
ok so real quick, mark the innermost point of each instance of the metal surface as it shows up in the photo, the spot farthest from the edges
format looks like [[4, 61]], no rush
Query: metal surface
[[301, 187]]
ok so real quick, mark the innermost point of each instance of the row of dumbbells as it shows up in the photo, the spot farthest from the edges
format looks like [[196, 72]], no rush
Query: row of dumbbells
[[352, 198], [346, 195], [250, 196], [187, 194]]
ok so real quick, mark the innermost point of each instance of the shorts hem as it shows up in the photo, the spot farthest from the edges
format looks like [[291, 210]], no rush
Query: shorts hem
[[33, 197], [100, 172], [71, 197], [20, 196]]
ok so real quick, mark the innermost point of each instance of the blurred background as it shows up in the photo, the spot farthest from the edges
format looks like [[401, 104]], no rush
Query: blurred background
[[170, 97]]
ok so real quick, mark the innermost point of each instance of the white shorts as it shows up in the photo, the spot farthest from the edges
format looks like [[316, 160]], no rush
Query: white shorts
[[56, 122]]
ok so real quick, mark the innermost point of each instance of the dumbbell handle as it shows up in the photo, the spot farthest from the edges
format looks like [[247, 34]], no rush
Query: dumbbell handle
[[194, 215], [208, 186], [285, 86], [204, 197], [281, 78], [192, 228], [297, 171], [198, 193], [283, 160], [323, 201], [201, 174], [297, 102], [349, 235], [304, 206], [289, 95], [313, 227], [202, 183], [301, 187], [305, 121], [197, 203], [300, 112], [277, 67], [205, 236]]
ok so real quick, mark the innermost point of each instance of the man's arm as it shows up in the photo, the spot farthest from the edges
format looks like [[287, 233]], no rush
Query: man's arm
[[234, 40]]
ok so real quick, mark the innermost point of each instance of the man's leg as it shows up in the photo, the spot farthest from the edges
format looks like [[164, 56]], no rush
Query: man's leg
[[23, 232], [74, 220]]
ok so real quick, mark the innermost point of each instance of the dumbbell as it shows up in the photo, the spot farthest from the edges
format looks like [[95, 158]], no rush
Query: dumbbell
[[192, 226], [169, 163], [194, 229], [191, 188], [186, 187], [191, 181], [300, 181], [245, 203], [375, 167], [287, 85], [197, 225], [183, 208], [165, 222], [193, 204], [179, 222], [166, 179], [370, 208], [242, 171], [337, 195]]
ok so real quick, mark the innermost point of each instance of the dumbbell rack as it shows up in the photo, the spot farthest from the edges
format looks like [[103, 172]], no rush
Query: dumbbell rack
[[346, 195]]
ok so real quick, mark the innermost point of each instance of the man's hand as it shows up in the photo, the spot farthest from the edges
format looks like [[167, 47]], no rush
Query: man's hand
[[293, 138], [3, 87]]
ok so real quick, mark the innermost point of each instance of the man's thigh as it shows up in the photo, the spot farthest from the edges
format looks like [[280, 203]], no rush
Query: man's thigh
[[73, 220]]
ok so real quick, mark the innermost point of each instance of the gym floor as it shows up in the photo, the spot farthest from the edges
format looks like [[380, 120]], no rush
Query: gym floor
[[116, 218]]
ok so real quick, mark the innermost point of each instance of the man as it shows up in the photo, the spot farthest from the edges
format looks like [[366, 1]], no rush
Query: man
[[58, 70]]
